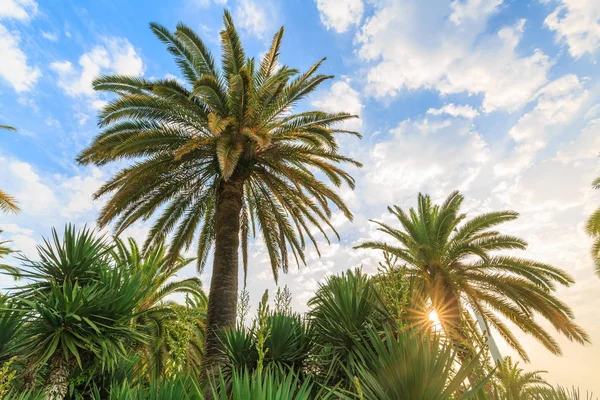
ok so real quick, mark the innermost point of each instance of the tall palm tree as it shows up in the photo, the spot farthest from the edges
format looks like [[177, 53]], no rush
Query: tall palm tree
[[593, 229], [223, 155], [460, 264], [514, 383], [7, 202]]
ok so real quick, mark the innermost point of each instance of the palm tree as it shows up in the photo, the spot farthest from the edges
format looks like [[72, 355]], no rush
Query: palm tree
[[593, 229], [222, 155], [459, 264], [7, 202], [516, 384]]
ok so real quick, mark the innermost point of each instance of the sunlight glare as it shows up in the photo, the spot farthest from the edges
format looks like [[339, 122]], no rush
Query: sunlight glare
[[433, 317]]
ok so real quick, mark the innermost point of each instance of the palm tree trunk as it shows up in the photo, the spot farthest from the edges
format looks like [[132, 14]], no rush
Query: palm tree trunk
[[58, 379], [223, 295]]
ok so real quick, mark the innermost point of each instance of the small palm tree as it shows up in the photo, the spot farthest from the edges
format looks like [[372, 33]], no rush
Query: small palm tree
[[158, 271], [223, 156], [514, 383], [155, 309], [459, 263], [593, 229], [7, 202]]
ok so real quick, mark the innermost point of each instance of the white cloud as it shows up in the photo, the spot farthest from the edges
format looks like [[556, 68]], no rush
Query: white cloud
[[585, 146], [114, 56], [14, 67], [414, 45], [51, 36], [206, 3], [21, 10], [80, 190], [466, 111], [27, 187], [558, 103], [252, 17], [340, 15], [341, 97], [576, 23], [424, 155]]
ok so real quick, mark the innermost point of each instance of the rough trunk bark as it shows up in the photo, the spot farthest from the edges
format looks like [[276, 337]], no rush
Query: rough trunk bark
[[58, 379], [223, 295]]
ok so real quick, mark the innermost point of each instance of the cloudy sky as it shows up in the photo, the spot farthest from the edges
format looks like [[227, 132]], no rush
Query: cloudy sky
[[497, 98]]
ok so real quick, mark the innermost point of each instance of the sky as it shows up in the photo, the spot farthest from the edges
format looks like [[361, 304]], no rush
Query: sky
[[499, 99]]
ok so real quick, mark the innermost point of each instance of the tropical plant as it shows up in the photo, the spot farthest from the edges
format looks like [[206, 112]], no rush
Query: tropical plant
[[158, 273], [593, 229], [11, 324], [410, 364], [341, 311], [183, 341], [514, 383], [7, 202], [273, 384], [80, 308], [562, 393], [222, 154], [462, 269]]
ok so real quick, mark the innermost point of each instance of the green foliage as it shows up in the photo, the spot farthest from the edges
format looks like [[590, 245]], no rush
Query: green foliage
[[243, 307], [11, 325], [184, 338], [283, 300], [514, 383], [78, 306], [273, 384], [341, 311], [410, 365], [7, 375]]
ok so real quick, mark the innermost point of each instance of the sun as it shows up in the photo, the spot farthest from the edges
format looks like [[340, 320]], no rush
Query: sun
[[433, 317]]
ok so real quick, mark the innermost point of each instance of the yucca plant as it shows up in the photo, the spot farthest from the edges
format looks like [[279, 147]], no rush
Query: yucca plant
[[221, 157], [11, 325], [180, 388], [410, 364], [340, 313], [272, 384], [460, 264], [80, 308]]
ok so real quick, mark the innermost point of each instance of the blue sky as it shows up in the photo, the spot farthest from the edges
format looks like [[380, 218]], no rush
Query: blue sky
[[497, 98]]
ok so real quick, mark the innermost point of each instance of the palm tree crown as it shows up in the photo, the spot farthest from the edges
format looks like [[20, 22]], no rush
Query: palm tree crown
[[223, 155], [458, 262]]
